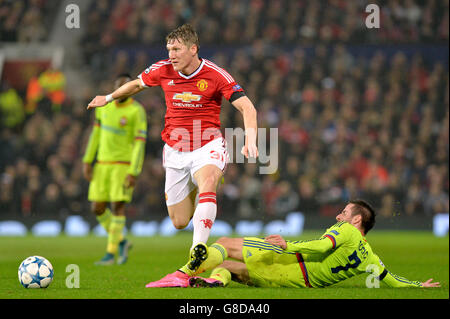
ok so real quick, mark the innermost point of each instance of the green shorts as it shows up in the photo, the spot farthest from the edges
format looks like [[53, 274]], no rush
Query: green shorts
[[270, 266], [107, 184]]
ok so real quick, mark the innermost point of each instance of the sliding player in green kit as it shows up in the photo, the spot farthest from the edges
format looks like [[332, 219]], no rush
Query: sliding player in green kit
[[118, 138], [342, 252]]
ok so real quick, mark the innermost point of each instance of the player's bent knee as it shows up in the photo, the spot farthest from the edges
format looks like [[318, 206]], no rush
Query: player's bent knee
[[179, 223], [98, 208], [181, 213], [179, 226], [208, 182], [118, 208]]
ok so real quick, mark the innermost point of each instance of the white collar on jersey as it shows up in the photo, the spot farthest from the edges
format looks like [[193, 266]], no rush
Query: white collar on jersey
[[193, 73]]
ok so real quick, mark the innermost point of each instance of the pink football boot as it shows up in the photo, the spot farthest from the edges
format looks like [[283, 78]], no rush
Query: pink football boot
[[176, 279], [196, 282]]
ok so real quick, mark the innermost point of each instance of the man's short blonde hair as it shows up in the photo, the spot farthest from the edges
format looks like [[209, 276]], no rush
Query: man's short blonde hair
[[186, 34]]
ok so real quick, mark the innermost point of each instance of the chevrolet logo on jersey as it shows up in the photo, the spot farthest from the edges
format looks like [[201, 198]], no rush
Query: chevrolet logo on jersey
[[187, 97]]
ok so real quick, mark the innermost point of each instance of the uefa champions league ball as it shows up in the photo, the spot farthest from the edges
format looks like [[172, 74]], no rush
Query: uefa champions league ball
[[35, 272]]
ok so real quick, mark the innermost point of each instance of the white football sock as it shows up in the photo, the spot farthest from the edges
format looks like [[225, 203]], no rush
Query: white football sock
[[204, 216]]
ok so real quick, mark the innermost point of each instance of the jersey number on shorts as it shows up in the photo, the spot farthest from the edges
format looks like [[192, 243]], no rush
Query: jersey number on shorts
[[215, 155], [354, 262]]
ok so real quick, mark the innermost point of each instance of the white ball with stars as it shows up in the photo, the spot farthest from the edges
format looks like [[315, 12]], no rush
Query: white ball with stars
[[35, 272]]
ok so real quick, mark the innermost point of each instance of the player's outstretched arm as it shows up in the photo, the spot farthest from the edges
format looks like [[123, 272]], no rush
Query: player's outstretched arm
[[395, 281], [126, 90], [430, 284], [246, 107], [378, 268]]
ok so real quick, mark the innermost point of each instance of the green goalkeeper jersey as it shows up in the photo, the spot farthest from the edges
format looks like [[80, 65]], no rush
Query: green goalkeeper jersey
[[340, 253], [119, 135]]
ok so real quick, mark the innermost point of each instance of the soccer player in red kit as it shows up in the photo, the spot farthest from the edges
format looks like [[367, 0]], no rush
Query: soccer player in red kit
[[195, 154]]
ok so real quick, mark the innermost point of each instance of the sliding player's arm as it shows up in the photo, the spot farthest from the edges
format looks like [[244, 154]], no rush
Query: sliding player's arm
[[393, 280], [333, 237], [138, 152], [314, 246], [128, 89]]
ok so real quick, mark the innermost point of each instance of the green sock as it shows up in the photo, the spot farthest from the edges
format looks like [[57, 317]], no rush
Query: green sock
[[105, 219], [216, 256], [221, 274], [115, 233]]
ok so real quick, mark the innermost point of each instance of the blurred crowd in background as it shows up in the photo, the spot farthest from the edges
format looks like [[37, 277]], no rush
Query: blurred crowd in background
[[349, 126], [25, 20], [235, 22]]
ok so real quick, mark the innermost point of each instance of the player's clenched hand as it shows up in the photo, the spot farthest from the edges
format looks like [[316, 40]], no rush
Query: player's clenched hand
[[276, 240], [430, 284], [130, 181], [98, 101], [250, 149]]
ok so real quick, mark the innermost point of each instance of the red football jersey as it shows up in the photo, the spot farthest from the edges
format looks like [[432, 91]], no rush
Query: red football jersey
[[193, 102]]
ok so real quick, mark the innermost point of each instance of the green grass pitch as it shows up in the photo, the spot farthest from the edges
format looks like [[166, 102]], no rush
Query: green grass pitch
[[414, 255]]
